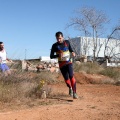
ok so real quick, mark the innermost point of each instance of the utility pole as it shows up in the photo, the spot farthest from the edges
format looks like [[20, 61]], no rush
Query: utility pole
[[25, 54]]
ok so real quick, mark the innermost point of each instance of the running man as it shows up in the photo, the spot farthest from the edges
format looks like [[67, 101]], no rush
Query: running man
[[3, 66], [61, 50]]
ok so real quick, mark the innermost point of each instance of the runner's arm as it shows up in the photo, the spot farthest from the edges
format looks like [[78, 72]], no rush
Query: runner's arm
[[52, 54], [0, 60], [69, 46], [71, 50], [9, 60]]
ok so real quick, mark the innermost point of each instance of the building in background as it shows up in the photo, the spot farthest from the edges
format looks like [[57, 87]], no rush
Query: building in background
[[84, 46], [48, 59]]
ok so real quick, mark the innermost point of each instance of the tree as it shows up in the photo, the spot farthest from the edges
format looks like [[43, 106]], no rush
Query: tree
[[89, 21], [113, 51]]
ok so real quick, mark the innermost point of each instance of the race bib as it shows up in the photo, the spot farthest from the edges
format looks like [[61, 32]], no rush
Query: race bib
[[66, 56]]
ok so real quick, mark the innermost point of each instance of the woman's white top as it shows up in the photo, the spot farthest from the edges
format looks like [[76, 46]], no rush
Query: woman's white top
[[3, 56]]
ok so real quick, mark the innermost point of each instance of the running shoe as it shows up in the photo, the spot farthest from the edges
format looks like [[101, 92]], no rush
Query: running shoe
[[75, 96], [70, 92]]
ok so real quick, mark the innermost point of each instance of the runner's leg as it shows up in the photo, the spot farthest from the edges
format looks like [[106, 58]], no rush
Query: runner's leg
[[6, 70], [71, 76], [64, 72]]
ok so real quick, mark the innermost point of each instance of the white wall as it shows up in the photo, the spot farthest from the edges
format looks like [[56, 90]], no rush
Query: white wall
[[87, 42], [47, 59]]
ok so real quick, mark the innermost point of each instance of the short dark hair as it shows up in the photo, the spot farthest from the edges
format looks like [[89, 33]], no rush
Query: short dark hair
[[58, 34], [1, 42]]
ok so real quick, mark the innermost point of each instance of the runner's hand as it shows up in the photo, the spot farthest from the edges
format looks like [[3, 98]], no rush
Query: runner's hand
[[73, 54]]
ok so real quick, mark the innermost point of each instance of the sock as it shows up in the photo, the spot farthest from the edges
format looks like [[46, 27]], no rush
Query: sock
[[73, 83], [68, 83]]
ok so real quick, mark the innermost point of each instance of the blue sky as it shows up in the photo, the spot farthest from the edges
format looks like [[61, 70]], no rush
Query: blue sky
[[30, 25]]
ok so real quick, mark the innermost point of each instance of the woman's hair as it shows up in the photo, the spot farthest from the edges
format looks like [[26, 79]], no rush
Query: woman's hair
[[58, 34]]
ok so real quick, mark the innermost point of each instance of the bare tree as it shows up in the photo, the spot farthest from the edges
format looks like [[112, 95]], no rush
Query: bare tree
[[115, 35], [90, 21]]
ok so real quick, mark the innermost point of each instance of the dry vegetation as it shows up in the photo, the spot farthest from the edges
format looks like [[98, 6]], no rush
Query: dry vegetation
[[90, 68], [95, 68], [24, 89]]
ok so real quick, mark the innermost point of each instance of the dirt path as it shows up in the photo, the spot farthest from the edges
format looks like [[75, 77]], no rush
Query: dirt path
[[96, 102]]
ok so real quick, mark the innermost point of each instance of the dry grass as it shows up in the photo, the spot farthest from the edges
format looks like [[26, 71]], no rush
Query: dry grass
[[111, 72], [90, 68], [94, 68], [25, 88]]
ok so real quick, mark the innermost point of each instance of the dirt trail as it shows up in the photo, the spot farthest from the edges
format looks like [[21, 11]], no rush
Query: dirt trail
[[96, 102]]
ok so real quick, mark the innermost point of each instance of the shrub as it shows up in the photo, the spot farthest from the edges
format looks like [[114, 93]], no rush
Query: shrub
[[90, 68], [24, 88], [111, 72]]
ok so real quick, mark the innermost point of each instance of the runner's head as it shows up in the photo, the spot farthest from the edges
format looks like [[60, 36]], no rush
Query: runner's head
[[1, 46], [59, 37]]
